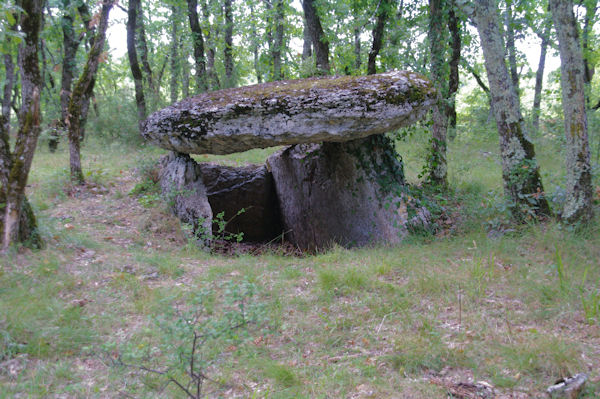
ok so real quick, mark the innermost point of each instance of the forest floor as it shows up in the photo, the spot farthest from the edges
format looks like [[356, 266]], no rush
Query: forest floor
[[456, 315]]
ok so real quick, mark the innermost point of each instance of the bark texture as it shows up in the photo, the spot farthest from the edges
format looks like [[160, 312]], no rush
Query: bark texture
[[291, 112], [520, 171], [228, 49], [437, 40], [578, 205], [175, 70], [319, 41], [198, 42], [453, 81], [82, 92], [140, 101], [15, 166], [278, 40]]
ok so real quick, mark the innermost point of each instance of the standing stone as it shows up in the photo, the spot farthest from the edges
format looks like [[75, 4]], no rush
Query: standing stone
[[181, 183], [345, 193]]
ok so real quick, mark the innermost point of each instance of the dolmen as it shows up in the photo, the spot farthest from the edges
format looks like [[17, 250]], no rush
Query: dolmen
[[338, 180]]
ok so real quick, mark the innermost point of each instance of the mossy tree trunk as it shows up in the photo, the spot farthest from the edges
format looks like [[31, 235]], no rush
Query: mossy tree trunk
[[136, 71], [578, 206], [174, 58], [82, 93], [278, 40], [439, 74], [520, 171], [9, 82], [15, 166], [317, 36], [211, 34]]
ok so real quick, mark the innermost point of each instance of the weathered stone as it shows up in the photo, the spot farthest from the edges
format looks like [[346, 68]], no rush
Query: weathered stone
[[329, 109], [251, 188], [568, 388], [345, 193], [181, 183]]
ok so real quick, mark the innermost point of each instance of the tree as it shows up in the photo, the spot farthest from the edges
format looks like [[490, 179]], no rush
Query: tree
[[136, 72], [578, 205], [82, 93], [317, 36], [437, 40], [453, 79], [228, 49], [383, 11], [520, 171], [198, 43], [18, 221]]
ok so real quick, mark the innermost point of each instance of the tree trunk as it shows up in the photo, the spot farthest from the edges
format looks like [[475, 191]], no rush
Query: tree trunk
[[357, 58], [510, 46], [81, 94], [307, 42], [215, 84], [198, 42], [382, 16], [9, 83], [255, 47], [175, 55], [453, 81], [588, 67], [143, 47], [278, 40], [228, 50], [14, 168], [136, 72], [578, 205], [539, 80], [520, 171], [317, 36], [437, 40]]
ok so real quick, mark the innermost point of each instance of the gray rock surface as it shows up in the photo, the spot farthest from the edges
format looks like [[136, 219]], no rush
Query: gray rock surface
[[230, 189], [345, 193], [180, 179], [327, 109]]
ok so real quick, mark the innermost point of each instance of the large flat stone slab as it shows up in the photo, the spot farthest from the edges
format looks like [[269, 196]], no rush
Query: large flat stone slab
[[328, 109]]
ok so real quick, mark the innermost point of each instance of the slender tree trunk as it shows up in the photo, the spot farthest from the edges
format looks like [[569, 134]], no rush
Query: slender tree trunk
[[319, 41], [588, 67], [255, 47], [378, 30], [185, 78], [140, 101], [198, 42], [453, 81], [175, 55], [578, 205], [539, 80], [215, 84], [357, 58], [520, 171], [81, 94], [510, 46], [143, 47], [307, 42], [9, 83], [278, 40], [228, 50], [14, 168], [437, 40]]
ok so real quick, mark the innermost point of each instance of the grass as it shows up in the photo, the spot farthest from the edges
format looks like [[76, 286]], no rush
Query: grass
[[519, 310]]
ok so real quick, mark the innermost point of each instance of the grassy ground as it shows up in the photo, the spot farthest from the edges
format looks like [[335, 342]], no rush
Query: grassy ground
[[517, 311]]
